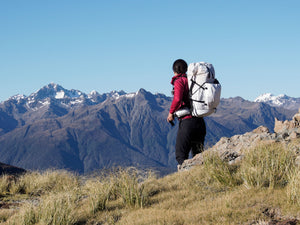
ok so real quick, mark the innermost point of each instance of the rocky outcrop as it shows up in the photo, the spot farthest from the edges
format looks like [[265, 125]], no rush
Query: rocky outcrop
[[232, 149], [281, 126]]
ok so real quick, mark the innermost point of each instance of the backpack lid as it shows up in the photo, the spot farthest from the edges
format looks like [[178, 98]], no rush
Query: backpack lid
[[201, 72]]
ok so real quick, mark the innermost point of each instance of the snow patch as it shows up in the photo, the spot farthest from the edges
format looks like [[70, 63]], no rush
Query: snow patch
[[45, 103], [93, 93], [18, 98], [77, 101], [60, 95], [130, 95]]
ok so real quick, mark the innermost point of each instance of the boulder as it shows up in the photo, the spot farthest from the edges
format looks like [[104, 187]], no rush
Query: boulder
[[281, 126]]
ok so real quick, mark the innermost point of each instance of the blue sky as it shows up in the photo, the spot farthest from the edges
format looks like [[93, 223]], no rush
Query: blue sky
[[132, 44]]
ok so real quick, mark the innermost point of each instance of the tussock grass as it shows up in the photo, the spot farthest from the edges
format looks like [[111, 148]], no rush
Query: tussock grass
[[26, 216], [37, 183], [221, 171], [59, 197], [267, 166], [130, 188], [5, 183], [98, 193], [293, 188], [214, 193], [55, 209], [58, 209]]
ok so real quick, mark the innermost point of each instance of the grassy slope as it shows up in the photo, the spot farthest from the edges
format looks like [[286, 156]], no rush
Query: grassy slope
[[254, 192]]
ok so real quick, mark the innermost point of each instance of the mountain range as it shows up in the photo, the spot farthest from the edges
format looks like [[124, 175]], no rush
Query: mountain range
[[68, 129]]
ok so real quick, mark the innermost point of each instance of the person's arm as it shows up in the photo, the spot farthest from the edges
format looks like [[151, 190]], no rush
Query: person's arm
[[170, 117], [178, 96], [177, 100]]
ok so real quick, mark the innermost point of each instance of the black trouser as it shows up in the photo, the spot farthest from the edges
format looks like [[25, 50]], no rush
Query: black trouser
[[190, 136]]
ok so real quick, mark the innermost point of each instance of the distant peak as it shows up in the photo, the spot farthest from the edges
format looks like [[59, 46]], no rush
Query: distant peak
[[54, 86], [263, 97], [93, 93], [270, 97], [142, 91], [17, 97], [56, 91], [117, 94], [281, 100]]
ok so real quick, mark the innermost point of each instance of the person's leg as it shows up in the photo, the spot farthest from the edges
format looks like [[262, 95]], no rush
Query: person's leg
[[198, 136], [183, 142], [197, 148]]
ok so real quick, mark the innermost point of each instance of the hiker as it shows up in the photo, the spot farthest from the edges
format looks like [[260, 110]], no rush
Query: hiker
[[191, 130]]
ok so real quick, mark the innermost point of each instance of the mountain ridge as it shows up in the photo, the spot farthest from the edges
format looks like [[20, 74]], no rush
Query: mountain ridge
[[61, 92], [117, 129]]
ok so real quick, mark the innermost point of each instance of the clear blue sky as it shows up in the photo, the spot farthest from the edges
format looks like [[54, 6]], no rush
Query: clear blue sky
[[107, 45]]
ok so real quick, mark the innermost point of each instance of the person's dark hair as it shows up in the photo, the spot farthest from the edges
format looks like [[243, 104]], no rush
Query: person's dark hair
[[180, 66]]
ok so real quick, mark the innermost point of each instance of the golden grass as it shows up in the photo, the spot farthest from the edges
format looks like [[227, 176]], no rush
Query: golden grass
[[98, 194], [267, 166], [215, 193], [184, 201], [37, 183], [293, 188], [55, 209]]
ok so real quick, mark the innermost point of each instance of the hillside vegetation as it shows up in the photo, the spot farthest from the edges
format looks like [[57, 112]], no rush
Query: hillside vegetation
[[264, 188]]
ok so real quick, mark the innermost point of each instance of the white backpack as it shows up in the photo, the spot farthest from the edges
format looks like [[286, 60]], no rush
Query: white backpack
[[205, 90]]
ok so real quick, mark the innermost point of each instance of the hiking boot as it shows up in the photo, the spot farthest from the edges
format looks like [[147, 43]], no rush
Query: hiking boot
[[178, 167]]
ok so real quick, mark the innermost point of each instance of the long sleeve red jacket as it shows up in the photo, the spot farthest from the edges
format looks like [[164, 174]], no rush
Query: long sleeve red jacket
[[181, 93]]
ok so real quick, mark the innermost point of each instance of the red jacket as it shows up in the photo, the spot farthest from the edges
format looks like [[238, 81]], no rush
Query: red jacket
[[181, 93]]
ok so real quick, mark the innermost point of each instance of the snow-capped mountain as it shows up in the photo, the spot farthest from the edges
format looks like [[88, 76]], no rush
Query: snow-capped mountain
[[279, 101], [54, 93]]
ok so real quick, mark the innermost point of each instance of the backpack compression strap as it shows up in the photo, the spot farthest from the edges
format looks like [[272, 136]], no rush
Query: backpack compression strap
[[200, 86], [191, 91]]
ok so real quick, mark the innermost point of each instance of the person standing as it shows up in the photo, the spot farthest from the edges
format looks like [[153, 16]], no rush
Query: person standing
[[191, 130]]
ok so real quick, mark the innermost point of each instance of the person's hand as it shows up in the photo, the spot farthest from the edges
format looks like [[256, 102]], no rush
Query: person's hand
[[170, 117]]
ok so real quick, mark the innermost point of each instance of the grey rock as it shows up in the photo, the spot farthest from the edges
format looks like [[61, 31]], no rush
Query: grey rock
[[232, 149]]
